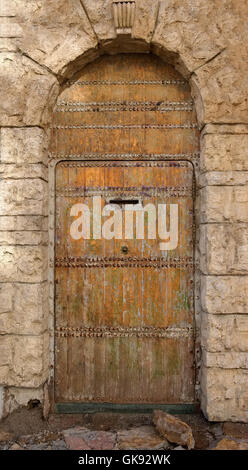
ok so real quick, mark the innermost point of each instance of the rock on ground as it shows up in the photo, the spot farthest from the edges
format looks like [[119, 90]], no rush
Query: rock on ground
[[236, 430], [229, 444], [16, 447], [80, 438], [143, 438], [5, 436], [173, 429]]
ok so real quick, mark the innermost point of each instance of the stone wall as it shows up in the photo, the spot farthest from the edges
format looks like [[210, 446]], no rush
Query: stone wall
[[42, 45]]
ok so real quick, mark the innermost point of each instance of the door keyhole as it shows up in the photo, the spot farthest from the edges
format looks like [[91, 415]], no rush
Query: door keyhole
[[124, 250]]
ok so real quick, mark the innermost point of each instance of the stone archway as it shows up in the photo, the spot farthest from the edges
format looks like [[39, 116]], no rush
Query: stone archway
[[33, 71]]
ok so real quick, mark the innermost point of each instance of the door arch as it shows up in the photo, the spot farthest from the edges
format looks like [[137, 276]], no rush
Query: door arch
[[125, 128]]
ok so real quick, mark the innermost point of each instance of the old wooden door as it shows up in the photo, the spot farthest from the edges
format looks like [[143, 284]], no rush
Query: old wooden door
[[125, 134]]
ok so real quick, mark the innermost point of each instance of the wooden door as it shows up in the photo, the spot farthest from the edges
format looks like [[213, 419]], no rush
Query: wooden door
[[125, 134]]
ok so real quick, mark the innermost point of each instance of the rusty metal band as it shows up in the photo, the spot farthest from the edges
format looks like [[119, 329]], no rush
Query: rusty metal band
[[126, 82], [123, 262], [169, 192], [122, 332], [128, 126], [113, 106], [179, 164], [124, 156]]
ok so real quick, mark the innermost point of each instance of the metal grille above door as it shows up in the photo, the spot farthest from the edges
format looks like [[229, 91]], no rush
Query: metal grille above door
[[124, 312]]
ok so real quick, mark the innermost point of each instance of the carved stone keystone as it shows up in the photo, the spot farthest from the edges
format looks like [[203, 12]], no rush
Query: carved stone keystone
[[124, 12]]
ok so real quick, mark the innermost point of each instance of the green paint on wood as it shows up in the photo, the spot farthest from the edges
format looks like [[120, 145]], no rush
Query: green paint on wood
[[187, 408]]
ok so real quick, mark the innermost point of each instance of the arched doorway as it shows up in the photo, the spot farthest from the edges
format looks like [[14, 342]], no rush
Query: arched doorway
[[124, 135]]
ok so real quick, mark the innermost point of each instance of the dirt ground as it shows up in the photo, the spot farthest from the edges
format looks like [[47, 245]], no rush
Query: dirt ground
[[29, 422]]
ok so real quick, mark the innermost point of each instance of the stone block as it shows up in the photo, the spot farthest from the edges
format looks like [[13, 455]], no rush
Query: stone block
[[224, 204], [10, 30], [29, 91], [224, 294], [23, 264], [224, 394], [24, 238], [224, 249], [146, 15], [22, 198], [223, 178], [27, 364], [225, 360], [6, 298], [8, 45], [23, 223], [7, 8], [225, 129], [16, 397], [101, 18], [189, 32], [20, 171], [222, 333], [28, 310], [224, 152], [5, 353], [21, 363], [23, 145], [223, 85], [57, 35]]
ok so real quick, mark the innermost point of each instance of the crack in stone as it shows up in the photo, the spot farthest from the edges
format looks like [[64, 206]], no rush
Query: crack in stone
[[208, 61], [88, 18]]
